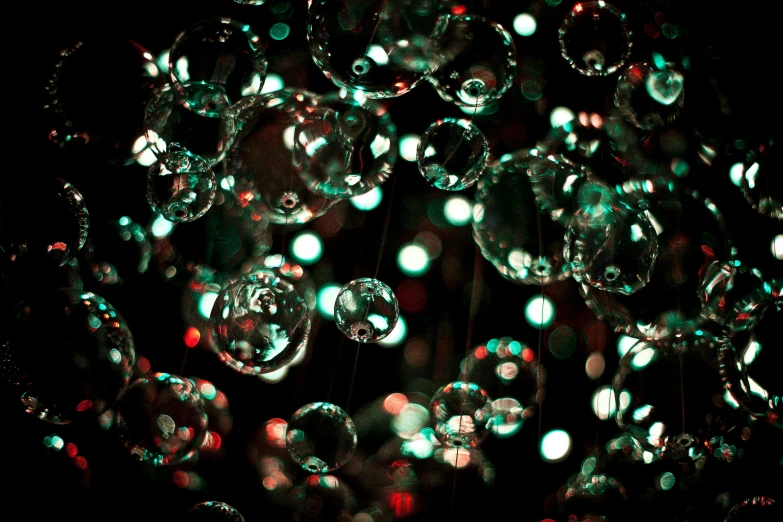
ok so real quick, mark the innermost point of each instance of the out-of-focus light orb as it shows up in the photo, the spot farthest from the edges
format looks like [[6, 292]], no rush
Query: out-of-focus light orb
[[147, 158], [307, 247], [273, 82], [604, 402], [560, 116], [555, 446], [206, 303], [735, 174], [525, 24], [327, 296], [378, 54], [777, 246], [540, 311], [413, 260], [595, 365], [396, 336], [458, 210], [369, 200], [625, 343], [409, 145], [161, 227]]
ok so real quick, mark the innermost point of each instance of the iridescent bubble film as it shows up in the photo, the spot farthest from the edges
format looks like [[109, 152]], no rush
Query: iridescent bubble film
[[260, 323], [452, 154], [181, 187], [320, 437], [366, 310], [461, 414], [161, 419]]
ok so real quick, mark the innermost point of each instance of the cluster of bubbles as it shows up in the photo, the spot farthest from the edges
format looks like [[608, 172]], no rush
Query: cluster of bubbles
[[651, 257]]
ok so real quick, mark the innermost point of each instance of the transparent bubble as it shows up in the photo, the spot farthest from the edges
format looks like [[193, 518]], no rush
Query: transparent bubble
[[347, 146], [97, 94], [649, 97], [261, 162], [524, 245], [178, 117], [755, 509], [452, 154], [691, 235], [212, 511], [556, 183], [666, 380], [79, 372], [161, 419], [577, 140], [751, 366], [320, 437], [484, 62], [278, 266], [608, 244], [591, 495], [321, 498], [42, 223], [260, 323], [366, 310], [733, 294], [181, 187], [595, 38], [761, 185], [383, 48], [222, 53], [461, 414]]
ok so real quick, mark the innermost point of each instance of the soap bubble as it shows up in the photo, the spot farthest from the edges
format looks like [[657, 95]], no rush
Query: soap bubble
[[755, 509], [260, 324], [383, 48], [592, 495], [222, 53], [181, 187], [669, 304], [733, 294], [212, 511], [524, 246], [161, 419], [595, 38], [461, 414], [278, 266], [42, 222], [665, 379], [484, 62], [262, 165], [649, 97], [608, 244], [751, 369], [556, 183], [173, 118], [78, 372], [366, 310], [761, 185], [97, 94], [347, 146], [452, 154], [320, 437]]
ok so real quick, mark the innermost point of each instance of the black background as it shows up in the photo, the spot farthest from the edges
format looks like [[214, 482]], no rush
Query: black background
[[732, 54]]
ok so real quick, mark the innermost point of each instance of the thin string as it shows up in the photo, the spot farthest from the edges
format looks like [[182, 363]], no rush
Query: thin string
[[539, 395], [385, 232]]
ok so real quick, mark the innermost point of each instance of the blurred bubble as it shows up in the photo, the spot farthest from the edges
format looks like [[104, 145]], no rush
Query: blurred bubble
[[509, 229], [322, 498], [452, 154], [261, 322], [595, 38], [555, 446], [649, 97], [525, 24], [366, 310], [263, 170], [117, 251], [483, 62], [755, 508], [761, 187], [212, 511], [461, 413], [79, 372], [222, 53], [733, 294], [320, 437], [161, 419], [181, 187]]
